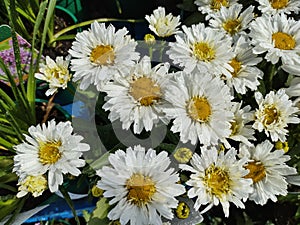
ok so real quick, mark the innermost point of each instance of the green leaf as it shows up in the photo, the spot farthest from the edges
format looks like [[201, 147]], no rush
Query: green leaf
[[7, 205], [69, 202], [99, 215]]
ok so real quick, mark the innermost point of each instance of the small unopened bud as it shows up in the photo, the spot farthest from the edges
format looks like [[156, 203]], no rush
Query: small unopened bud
[[282, 145], [96, 192], [183, 155], [149, 39]]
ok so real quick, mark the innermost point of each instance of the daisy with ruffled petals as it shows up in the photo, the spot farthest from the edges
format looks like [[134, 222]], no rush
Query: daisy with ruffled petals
[[200, 107], [52, 150], [141, 187], [232, 20], [101, 53], [278, 36], [212, 6], [56, 73], [35, 185], [274, 113], [138, 99], [245, 75], [279, 6], [161, 24], [202, 48], [268, 171], [217, 178]]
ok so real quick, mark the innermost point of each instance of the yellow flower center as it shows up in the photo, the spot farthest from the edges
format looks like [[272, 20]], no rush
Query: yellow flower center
[[283, 41], [199, 109], [271, 115], [49, 152], [145, 91], [183, 155], [257, 171], [216, 4], [61, 74], [204, 52], [140, 189], [217, 181], [232, 26], [182, 210], [279, 4], [234, 128], [103, 55], [236, 65]]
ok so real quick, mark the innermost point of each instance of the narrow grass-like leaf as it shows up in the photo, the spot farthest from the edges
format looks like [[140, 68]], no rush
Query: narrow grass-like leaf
[[34, 63], [12, 14], [5, 143], [69, 202]]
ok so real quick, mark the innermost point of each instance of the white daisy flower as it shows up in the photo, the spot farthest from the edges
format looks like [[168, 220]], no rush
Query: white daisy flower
[[274, 113], [100, 54], [232, 20], [268, 171], [56, 73], [279, 6], [240, 131], [246, 74], [32, 184], [140, 186], [212, 6], [200, 108], [202, 48], [50, 149], [138, 99], [217, 178], [161, 24], [278, 36]]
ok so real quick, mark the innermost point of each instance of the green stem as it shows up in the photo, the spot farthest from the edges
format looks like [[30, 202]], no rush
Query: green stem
[[69, 202], [86, 23], [272, 72], [49, 106]]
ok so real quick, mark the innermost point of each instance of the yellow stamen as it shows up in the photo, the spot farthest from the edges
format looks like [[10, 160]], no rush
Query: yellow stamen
[[232, 26], [234, 128], [283, 41], [216, 4], [217, 181], [102, 55], [49, 152], [199, 109], [140, 189], [271, 115], [203, 51], [236, 65], [257, 171], [279, 4], [145, 90]]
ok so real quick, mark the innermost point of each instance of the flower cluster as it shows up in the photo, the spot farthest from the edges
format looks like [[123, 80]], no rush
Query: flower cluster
[[8, 58]]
